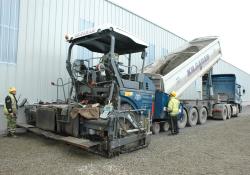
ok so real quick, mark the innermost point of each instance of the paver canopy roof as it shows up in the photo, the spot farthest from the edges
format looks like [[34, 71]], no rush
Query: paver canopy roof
[[98, 40]]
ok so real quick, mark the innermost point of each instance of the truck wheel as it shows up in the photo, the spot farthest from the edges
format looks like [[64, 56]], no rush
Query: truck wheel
[[233, 110], [220, 111], [202, 115], [192, 117], [126, 106], [229, 111], [155, 128], [237, 110], [224, 113], [183, 121], [164, 126]]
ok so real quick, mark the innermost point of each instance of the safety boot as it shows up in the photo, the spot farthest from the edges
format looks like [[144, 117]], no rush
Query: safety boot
[[13, 135]]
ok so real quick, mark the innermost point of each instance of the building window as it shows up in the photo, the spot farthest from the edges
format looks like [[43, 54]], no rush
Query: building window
[[151, 53], [83, 53], [9, 18]]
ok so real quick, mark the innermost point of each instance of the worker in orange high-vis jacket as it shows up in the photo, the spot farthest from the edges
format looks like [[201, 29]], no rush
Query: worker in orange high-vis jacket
[[10, 111], [173, 109]]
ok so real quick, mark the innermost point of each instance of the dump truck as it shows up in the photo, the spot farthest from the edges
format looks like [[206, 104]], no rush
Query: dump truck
[[221, 95], [108, 108]]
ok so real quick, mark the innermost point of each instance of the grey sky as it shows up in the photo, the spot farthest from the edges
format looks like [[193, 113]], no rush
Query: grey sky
[[195, 18]]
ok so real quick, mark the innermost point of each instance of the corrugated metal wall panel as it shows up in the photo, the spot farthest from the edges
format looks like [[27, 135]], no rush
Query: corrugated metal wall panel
[[42, 48], [21, 51], [29, 60]]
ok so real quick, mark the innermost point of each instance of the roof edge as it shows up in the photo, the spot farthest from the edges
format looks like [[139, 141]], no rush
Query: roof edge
[[144, 19]]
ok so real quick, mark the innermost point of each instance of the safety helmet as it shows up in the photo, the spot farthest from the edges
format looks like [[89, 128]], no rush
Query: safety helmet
[[173, 94], [12, 89]]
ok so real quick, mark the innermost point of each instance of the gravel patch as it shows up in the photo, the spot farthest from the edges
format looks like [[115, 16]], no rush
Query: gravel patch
[[218, 147]]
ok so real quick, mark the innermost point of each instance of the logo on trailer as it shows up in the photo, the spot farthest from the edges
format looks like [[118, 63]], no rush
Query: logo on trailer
[[198, 65]]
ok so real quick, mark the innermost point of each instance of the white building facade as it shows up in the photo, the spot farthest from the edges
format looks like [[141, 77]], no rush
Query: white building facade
[[33, 49]]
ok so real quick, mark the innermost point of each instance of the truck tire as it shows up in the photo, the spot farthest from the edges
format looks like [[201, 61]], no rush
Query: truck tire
[[164, 126], [229, 111], [155, 128], [224, 113], [202, 115], [192, 117], [183, 121], [237, 110], [220, 111], [234, 110], [126, 106]]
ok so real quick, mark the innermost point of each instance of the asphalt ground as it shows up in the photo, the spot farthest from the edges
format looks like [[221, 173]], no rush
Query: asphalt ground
[[218, 147]]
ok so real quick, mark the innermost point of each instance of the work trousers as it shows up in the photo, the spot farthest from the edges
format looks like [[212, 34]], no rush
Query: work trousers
[[174, 124], [11, 124]]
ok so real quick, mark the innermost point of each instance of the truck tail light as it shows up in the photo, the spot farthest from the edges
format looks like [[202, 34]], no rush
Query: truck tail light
[[153, 108]]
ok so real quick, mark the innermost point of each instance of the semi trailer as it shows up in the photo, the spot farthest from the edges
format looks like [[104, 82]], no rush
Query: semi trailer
[[221, 95]]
